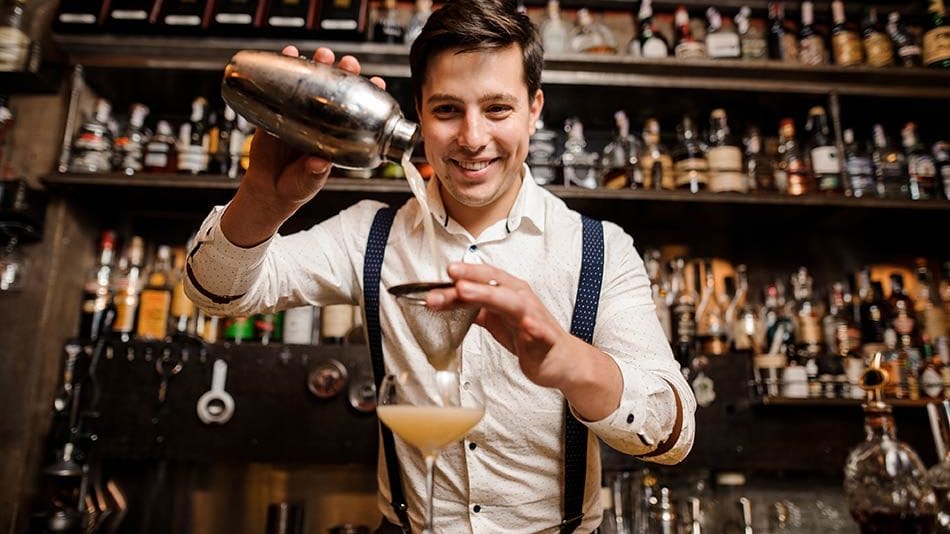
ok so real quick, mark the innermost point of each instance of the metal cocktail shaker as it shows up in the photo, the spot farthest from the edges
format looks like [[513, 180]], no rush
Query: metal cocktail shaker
[[318, 109]]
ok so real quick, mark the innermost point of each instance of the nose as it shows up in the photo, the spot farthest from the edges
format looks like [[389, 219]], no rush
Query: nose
[[473, 133]]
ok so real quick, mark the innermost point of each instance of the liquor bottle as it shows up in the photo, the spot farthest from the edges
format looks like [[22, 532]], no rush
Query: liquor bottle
[[747, 331], [220, 150], [711, 328], [183, 317], [758, 169], [908, 48], [690, 167], [290, 17], [194, 141], [842, 334], [298, 325], [633, 45], [877, 45], [859, 167], [751, 41], [931, 316], [156, 298], [342, 20], [811, 49], [890, 167], [791, 170], [845, 43], [579, 166], [97, 290], [620, 161], [15, 42], [652, 42], [541, 150], [902, 317], [128, 286], [161, 153], [782, 40], [421, 15], [921, 168], [238, 329], [886, 496], [128, 16], [236, 17], [590, 36], [92, 147], [807, 314], [656, 162], [184, 16], [722, 42], [823, 153], [388, 28], [780, 325], [553, 30], [944, 290], [873, 312], [79, 16], [683, 315], [931, 375], [130, 145], [654, 269], [268, 328], [724, 157], [208, 327], [687, 46], [941, 153], [336, 321], [937, 37]]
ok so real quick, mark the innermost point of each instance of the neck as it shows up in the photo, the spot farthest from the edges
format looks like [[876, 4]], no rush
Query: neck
[[476, 219]]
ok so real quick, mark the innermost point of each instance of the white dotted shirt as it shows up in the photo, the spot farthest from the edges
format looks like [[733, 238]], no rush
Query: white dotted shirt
[[509, 468]]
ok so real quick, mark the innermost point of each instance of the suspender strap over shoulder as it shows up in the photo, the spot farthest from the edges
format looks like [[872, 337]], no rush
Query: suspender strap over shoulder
[[582, 326], [372, 268]]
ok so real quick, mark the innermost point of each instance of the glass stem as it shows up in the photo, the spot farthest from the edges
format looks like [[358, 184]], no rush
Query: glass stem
[[430, 484]]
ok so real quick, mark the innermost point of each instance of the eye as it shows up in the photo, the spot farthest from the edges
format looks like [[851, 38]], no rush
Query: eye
[[444, 110], [499, 110]]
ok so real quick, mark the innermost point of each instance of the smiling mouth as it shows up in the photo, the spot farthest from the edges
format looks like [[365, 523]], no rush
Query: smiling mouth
[[473, 165]]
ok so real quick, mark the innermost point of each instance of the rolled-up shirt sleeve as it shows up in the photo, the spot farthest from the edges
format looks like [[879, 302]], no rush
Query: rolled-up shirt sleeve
[[628, 331], [316, 266]]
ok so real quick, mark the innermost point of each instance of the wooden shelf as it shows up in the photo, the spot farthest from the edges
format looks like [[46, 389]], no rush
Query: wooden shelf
[[212, 53], [824, 403], [385, 186]]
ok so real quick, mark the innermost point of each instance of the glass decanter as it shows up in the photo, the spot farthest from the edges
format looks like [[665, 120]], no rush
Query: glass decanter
[[885, 481], [939, 475]]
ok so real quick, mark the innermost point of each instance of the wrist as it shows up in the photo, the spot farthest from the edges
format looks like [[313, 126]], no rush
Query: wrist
[[250, 218], [593, 383]]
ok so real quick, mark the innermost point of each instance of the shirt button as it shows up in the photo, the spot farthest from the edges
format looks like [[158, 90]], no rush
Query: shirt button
[[472, 248], [476, 508], [472, 446], [466, 385]]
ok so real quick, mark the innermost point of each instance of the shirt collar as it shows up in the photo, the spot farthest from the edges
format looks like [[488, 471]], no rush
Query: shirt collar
[[529, 205]]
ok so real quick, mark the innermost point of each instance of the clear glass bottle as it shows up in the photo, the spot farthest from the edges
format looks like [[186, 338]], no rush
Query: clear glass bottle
[[128, 287], [722, 41], [652, 42], [811, 49], [890, 167], [845, 43], [659, 288], [901, 313], [711, 328], [690, 167], [419, 17], [687, 46], [921, 168], [553, 30], [541, 150], [782, 39], [633, 45], [194, 142], [92, 146], [885, 481], [823, 153], [877, 46], [724, 157], [908, 48], [620, 161], [859, 167], [655, 160], [579, 166], [161, 152], [758, 168], [683, 315], [155, 298], [791, 170], [591, 37], [97, 290], [388, 28], [130, 145], [932, 319], [808, 316], [14, 40], [751, 40]]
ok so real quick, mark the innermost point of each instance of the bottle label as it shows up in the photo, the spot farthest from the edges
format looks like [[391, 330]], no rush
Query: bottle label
[[754, 48], [931, 382], [684, 319], [154, 307], [691, 170], [789, 47], [690, 50], [812, 51], [879, 51], [181, 305], [824, 160], [723, 45], [725, 169], [125, 308], [654, 48], [239, 329], [937, 45], [903, 324], [336, 320], [298, 325], [847, 49], [809, 330], [922, 167]]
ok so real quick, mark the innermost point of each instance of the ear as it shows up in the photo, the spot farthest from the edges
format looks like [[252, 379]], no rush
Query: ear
[[535, 107]]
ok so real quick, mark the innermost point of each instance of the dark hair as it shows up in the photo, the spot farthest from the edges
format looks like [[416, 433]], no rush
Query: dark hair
[[469, 25]]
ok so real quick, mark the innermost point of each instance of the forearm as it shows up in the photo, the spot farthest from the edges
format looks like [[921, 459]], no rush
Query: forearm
[[248, 221], [595, 385]]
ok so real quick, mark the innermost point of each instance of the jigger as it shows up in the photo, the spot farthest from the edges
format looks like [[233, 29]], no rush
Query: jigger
[[439, 332]]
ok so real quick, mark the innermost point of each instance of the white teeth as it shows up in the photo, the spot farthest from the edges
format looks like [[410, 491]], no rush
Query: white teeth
[[473, 165]]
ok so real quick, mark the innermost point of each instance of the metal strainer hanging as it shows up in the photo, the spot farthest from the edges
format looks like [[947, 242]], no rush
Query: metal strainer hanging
[[439, 333]]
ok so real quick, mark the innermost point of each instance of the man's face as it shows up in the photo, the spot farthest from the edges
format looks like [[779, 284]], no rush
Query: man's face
[[476, 120]]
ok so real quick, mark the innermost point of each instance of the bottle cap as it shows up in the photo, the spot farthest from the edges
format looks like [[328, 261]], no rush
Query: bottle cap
[[403, 136]]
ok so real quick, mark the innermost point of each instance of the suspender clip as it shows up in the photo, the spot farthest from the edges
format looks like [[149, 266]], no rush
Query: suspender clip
[[569, 525]]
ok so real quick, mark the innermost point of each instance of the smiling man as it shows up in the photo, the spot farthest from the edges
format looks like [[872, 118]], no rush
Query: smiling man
[[568, 346]]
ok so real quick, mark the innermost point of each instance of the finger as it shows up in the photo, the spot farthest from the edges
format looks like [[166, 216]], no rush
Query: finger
[[500, 299], [498, 329], [324, 55], [350, 64], [378, 82], [315, 165], [290, 50], [483, 274]]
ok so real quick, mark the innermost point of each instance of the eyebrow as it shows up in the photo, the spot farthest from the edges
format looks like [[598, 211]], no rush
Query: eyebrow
[[494, 97]]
